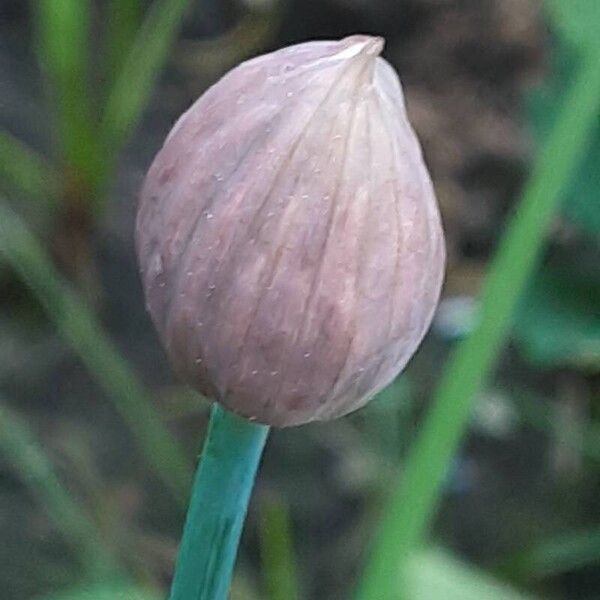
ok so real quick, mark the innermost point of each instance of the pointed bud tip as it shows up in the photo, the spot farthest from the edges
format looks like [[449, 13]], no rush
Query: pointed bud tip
[[365, 45]]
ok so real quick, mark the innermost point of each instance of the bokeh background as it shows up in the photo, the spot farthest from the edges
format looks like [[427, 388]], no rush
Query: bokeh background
[[90, 412]]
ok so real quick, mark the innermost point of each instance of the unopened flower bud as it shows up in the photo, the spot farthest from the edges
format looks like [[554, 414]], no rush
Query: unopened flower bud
[[288, 235]]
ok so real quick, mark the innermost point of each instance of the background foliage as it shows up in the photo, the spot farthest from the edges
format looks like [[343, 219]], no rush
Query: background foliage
[[97, 440]]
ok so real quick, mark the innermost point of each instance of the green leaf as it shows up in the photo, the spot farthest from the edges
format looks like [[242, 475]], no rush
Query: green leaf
[[277, 551], [63, 34], [141, 68], [107, 591], [577, 20], [123, 18], [559, 320], [436, 574], [581, 201]]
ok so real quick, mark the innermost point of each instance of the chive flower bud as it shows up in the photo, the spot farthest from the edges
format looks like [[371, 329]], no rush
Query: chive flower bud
[[288, 235]]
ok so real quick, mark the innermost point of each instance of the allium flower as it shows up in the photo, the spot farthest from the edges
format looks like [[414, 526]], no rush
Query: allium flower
[[288, 234]]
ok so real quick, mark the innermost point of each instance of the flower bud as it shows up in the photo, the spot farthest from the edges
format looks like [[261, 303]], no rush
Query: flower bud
[[288, 235]]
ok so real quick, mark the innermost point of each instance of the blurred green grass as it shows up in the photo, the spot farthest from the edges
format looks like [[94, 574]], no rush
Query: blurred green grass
[[81, 330], [418, 493]]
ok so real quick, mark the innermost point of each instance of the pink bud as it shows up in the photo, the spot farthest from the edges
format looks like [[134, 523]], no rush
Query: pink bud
[[288, 234]]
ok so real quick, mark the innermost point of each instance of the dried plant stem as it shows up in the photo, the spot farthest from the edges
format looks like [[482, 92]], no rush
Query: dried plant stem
[[218, 506]]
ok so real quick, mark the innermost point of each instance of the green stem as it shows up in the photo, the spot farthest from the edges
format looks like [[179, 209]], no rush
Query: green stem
[[217, 510], [418, 494]]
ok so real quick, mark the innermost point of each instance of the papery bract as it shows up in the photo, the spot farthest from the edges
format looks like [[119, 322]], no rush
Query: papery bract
[[288, 235]]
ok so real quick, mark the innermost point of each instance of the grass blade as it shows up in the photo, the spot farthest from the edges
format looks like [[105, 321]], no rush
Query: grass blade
[[80, 328], [277, 552], [63, 32], [405, 524], [141, 68], [123, 19], [36, 471]]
